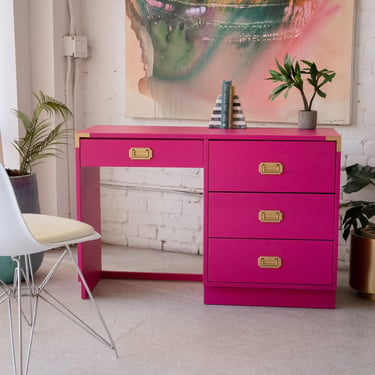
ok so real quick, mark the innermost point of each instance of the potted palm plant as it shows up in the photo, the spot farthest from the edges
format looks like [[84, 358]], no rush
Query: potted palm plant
[[291, 75], [357, 224], [40, 141]]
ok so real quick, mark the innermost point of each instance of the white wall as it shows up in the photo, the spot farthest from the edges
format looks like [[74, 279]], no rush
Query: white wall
[[8, 88], [39, 26]]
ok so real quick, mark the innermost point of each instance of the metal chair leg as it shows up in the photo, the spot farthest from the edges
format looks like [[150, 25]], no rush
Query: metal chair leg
[[111, 342], [16, 293]]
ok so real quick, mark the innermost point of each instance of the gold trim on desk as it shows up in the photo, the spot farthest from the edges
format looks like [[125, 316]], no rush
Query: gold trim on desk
[[270, 216], [270, 168], [77, 138], [140, 153], [335, 138], [270, 262]]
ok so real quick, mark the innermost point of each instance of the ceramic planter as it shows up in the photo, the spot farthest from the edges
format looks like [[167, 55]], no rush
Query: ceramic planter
[[307, 119], [362, 265], [26, 190]]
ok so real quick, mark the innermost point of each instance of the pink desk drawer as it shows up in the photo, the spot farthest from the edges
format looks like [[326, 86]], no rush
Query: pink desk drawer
[[250, 261], [272, 166], [141, 153], [268, 215]]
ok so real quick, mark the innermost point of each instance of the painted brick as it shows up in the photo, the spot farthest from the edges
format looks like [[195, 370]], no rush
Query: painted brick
[[195, 180], [138, 193], [136, 204], [352, 148], [165, 205], [148, 232], [167, 233], [187, 221], [112, 233], [190, 207], [145, 218], [129, 229], [181, 247], [144, 243]]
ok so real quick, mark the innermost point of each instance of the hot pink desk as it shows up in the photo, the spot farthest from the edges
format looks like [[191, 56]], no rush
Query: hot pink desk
[[271, 206]]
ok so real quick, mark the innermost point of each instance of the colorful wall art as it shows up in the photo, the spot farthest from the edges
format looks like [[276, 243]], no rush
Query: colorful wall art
[[178, 52]]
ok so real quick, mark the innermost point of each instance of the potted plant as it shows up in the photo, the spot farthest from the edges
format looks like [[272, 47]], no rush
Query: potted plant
[[357, 224], [291, 75], [40, 141]]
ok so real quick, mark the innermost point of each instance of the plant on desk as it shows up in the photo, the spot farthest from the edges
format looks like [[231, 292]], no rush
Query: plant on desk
[[291, 75]]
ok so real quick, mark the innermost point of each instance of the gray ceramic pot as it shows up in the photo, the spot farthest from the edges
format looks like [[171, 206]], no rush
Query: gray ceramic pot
[[307, 119]]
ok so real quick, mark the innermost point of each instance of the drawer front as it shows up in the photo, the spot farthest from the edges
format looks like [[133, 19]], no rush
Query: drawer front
[[267, 215], [141, 153], [270, 261], [272, 166]]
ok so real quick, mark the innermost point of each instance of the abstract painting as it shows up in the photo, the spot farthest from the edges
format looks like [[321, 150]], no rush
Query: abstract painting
[[178, 52]]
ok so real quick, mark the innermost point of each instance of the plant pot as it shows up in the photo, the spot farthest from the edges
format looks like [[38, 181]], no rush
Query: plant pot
[[307, 119], [362, 265], [26, 190]]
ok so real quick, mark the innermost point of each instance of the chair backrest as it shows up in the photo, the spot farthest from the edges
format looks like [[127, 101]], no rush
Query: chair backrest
[[15, 237]]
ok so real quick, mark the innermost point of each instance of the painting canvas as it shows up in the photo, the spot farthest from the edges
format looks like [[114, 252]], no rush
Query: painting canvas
[[178, 52]]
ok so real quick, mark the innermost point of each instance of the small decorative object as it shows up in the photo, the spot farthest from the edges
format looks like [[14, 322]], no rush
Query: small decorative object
[[291, 75], [227, 112], [357, 224]]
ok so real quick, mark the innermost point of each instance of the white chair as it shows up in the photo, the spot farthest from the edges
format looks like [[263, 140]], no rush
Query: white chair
[[25, 234]]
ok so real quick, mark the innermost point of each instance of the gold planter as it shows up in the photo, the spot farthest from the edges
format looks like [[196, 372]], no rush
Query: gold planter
[[362, 265]]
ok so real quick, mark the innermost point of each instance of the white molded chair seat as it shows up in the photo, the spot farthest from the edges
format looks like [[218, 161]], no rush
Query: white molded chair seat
[[25, 234], [49, 230]]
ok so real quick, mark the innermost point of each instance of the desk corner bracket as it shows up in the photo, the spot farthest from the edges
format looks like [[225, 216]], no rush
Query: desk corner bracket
[[337, 139], [78, 137]]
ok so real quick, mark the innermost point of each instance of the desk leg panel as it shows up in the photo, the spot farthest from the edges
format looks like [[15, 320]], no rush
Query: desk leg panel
[[88, 210]]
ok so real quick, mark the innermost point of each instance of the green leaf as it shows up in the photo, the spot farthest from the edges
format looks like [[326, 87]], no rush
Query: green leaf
[[358, 177], [278, 90]]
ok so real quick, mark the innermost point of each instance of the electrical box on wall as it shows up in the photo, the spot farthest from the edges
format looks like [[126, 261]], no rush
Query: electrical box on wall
[[75, 46]]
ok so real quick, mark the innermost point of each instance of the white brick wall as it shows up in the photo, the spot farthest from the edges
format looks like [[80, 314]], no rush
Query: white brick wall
[[155, 208], [180, 216]]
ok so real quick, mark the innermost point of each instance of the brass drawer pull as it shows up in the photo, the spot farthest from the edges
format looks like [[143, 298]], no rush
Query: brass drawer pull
[[271, 168], [269, 262], [140, 153], [270, 216]]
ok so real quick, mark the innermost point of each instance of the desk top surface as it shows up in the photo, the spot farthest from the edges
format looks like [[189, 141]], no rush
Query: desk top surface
[[196, 132]]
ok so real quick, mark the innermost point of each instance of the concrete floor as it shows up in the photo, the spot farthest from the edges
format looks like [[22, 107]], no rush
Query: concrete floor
[[164, 328]]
